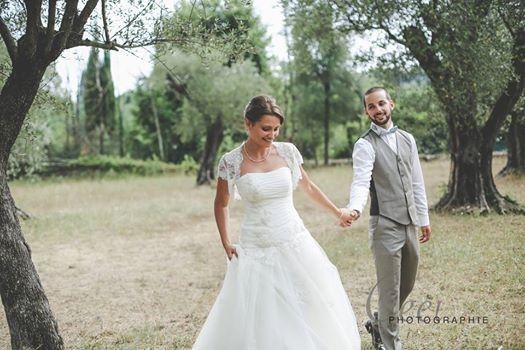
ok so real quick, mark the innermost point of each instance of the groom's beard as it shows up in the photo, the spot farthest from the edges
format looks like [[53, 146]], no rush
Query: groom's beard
[[386, 118]]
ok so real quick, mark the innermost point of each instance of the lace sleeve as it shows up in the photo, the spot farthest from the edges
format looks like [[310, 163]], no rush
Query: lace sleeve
[[297, 160], [296, 154], [228, 170], [294, 159], [222, 170]]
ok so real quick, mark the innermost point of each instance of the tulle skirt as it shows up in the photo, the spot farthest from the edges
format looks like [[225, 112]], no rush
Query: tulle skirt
[[288, 296]]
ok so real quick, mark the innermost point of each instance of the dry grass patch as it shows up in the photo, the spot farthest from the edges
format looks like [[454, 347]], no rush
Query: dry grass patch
[[136, 263]]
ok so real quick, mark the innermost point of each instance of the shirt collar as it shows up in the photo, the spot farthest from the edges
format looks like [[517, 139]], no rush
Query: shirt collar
[[382, 131]]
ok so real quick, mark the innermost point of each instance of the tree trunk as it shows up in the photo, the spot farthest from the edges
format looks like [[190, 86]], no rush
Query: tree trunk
[[68, 131], [214, 136], [157, 128], [120, 129], [31, 322], [77, 138], [515, 144], [471, 186], [102, 131], [326, 124]]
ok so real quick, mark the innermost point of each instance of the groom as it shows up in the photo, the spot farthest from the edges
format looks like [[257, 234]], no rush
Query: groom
[[386, 165]]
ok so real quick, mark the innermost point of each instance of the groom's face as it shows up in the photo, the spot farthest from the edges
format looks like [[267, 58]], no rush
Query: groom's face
[[378, 107]]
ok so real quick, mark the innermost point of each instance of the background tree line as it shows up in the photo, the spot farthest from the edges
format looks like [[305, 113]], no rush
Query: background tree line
[[186, 105], [186, 108], [189, 109]]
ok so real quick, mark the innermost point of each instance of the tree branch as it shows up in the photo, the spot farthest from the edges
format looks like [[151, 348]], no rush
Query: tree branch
[[91, 43], [33, 7], [133, 19], [68, 16], [66, 26], [362, 26], [105, 21], [9, 41], [356, 25], [113, 45], [391, 35], [81, 20], [512, 92], [416, 42], [51, 17]]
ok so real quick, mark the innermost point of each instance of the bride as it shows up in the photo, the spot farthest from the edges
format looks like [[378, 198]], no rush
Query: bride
[[280, 290]]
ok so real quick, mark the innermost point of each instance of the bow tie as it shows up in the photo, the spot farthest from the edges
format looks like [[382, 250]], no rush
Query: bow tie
[[381, 131]]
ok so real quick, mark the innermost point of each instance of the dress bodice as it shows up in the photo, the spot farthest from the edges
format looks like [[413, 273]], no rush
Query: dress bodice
[[270, 218], [229, 168], [258, 188]]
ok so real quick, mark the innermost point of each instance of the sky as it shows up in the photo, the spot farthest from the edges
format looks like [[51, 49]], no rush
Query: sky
[[127, 67]]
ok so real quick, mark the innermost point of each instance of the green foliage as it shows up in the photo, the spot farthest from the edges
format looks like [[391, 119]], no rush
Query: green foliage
[[108, 102], [30, 152], [91, 92], [318, 48], [187, 92], [418, 112], [228, 30], [417, 108], [154, 99], [464, 47], [308, 110], [43, 133], [99, 98], [189, 166], [339, 142], [320, 77], [107, 165], [213, 91]]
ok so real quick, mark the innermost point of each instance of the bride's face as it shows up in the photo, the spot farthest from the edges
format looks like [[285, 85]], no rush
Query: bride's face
[[264, 131]]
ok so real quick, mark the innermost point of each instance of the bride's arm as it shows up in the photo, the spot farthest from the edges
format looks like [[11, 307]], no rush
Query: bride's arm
[[317, 195], [222, 216]]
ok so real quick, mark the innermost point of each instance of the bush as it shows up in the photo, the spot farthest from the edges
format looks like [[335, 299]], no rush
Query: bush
[[189, 166], [108, 165], [29, 153]]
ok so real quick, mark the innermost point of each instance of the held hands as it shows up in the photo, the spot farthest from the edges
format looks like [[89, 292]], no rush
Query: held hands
[[347, 217], [231, 250]]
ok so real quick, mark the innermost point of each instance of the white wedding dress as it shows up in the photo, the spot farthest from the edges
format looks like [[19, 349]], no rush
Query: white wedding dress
[[282, 292]]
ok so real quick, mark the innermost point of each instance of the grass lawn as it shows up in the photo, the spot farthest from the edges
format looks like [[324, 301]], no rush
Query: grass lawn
[[136, 263]]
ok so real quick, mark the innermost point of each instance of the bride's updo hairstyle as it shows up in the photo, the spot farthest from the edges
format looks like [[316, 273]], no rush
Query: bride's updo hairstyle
[[262, 105]]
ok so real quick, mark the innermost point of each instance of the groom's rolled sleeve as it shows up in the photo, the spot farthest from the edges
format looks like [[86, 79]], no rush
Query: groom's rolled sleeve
[[418, 186], [363, 158]]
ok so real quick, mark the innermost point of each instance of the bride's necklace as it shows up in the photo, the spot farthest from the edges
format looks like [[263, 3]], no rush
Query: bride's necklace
[[256, 160]]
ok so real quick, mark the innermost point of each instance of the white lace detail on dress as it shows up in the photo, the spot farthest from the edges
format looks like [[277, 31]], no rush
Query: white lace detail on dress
[[294, 159], [265, 255], [229, 168]]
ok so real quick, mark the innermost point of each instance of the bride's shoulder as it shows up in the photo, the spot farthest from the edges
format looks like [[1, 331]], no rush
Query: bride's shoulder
[[286, 147], [232, 155]]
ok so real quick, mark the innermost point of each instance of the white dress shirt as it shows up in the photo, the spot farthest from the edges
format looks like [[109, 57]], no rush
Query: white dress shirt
[[363, 158]]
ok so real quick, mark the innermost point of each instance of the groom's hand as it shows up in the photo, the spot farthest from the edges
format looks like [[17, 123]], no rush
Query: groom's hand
[[425, 234], [347, 217]]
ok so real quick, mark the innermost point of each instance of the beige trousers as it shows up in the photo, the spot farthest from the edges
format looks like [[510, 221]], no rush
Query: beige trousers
[[396, 255]]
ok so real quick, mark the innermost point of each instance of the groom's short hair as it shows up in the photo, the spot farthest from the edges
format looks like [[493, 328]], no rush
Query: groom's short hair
[[374, 89]]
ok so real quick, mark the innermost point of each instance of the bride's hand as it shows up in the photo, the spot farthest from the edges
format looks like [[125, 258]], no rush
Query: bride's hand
[[347, 217], [231, 250]]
